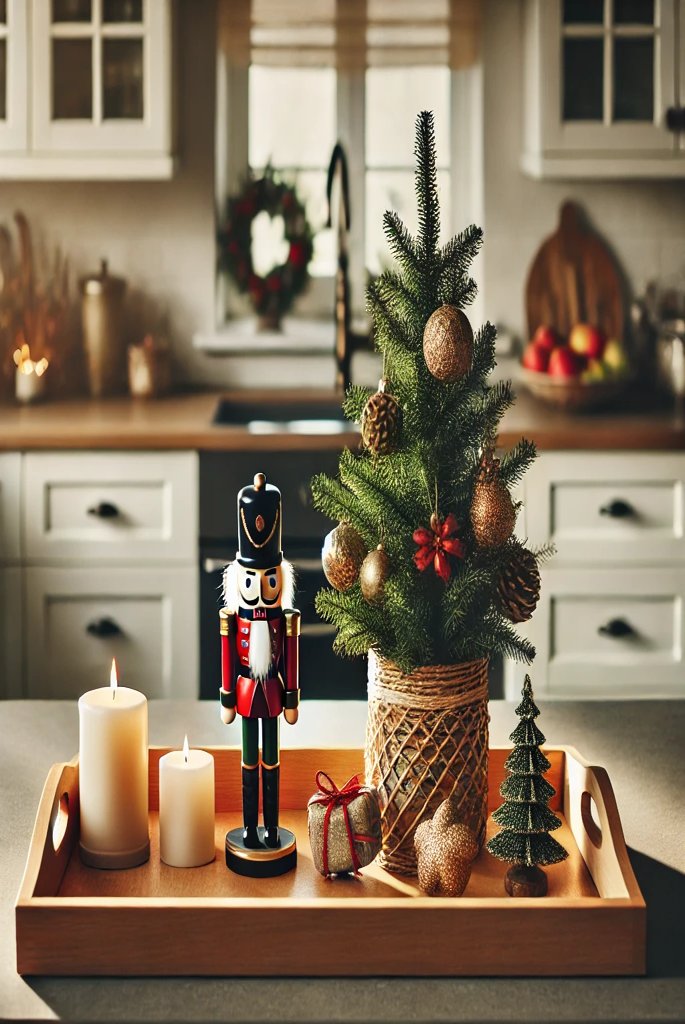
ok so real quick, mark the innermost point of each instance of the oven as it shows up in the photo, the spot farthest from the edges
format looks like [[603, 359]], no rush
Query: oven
[[323, 674]]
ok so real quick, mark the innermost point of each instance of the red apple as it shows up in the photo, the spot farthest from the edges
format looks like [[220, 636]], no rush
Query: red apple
[[535, 358], [546, 337], [587, 340], [565, 363]]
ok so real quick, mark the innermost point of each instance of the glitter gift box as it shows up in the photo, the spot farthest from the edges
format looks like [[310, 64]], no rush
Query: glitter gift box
[[344, 825]]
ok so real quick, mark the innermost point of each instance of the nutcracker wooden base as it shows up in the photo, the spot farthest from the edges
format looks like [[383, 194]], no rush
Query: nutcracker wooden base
[[262, 861]]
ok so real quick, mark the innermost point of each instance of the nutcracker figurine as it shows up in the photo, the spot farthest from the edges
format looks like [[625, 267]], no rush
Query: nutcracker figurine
[[260, 638]]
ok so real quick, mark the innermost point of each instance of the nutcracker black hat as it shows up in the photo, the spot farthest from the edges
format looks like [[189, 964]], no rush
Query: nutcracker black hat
[[259, 525]]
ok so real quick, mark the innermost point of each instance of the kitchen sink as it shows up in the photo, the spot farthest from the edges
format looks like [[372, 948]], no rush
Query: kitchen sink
[[315, 416]]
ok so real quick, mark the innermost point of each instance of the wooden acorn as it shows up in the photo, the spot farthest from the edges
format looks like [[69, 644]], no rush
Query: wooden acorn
[[374, 574], [382, 421], [342, 556], [492, 511], [518, 589], [448, 344]]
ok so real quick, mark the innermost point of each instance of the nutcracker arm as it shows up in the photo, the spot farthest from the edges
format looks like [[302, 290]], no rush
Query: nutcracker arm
[[291, 658], [227, 629]]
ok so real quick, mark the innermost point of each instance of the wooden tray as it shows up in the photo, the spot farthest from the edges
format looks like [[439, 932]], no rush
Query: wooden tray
[[158, 920]]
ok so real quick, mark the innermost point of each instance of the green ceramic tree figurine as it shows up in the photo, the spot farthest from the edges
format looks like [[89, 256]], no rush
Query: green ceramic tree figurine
[[524, 817]]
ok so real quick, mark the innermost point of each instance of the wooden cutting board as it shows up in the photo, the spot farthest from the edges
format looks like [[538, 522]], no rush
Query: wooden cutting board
[[575, 279]]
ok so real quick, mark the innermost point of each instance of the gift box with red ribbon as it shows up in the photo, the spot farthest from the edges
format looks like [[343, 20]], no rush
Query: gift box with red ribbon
[[344, 826]]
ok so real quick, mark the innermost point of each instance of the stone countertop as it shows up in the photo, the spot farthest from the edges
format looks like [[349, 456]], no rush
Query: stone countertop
[[184, 422], [639, 743]]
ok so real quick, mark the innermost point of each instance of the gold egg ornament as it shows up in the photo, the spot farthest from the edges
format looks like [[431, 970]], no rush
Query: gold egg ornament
[[374, 574], [342, 556], [448, 344], [493, 515]]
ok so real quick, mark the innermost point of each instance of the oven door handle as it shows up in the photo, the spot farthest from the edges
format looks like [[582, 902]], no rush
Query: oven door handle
[[318, 629]]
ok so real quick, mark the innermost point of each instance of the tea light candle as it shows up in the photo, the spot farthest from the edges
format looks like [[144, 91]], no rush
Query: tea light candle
[[186, 807], [30, 376], [113, 776]]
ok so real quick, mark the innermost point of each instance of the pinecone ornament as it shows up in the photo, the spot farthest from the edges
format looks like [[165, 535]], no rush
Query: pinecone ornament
[[492, 511], [518, 590], [342, 556], [448, 344], [382, 421], [373, 575]]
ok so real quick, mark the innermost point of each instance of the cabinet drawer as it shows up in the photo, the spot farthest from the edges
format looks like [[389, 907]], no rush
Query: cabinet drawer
[[111, 506], [608, 507], [610, 633], [79, 619], [10, 503]]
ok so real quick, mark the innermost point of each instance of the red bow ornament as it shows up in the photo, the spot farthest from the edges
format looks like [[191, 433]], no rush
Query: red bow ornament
[[358, 806], [437, 545]]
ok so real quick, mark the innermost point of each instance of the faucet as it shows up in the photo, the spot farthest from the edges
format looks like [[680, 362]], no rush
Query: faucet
[[343, 337]]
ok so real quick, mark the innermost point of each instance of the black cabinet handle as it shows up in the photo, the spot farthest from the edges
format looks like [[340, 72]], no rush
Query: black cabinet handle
[[617, 509], [104, 510], [103, 628], [675, 119], [617, 628]]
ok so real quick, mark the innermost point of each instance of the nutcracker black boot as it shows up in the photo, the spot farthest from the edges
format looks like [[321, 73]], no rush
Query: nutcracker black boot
[[250, 806], [270, 805]]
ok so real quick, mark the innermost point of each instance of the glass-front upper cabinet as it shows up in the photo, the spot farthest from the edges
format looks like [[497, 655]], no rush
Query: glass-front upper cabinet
[[13, 45], [602, 88], [101, 76]]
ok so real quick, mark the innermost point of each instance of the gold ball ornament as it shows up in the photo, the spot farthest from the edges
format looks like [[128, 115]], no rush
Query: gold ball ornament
[[381, 421], [493, 515], [448, 344], [518, 589], [342, 555], [374, 574]]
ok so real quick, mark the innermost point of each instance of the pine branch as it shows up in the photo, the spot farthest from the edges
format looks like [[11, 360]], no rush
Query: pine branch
[[355, 402], [358, 475], [483, 356], [336, 502], [401, 242], [461, 250], [516, 461], [427, 187]]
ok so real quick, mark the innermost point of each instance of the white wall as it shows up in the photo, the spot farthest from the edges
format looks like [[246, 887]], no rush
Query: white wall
[[643, 221]]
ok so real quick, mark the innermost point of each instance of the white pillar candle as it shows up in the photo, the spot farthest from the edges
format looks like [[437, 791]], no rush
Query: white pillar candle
[[113, 776], [186, 807]]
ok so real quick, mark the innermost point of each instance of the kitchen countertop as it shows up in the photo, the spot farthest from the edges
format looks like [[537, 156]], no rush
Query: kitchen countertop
[[184, 421], [640, 744]]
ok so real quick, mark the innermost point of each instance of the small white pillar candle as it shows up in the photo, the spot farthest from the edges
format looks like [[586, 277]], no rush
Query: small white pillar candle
[[113, 776], [186, 807]]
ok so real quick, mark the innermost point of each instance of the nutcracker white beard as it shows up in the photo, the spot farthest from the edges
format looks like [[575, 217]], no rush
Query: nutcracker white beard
[[260, 649]]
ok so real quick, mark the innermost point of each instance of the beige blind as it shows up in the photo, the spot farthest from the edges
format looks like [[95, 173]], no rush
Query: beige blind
[[350, 34]]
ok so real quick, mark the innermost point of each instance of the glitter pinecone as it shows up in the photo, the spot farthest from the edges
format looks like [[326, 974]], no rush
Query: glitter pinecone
[[492, 511], [382, 421]]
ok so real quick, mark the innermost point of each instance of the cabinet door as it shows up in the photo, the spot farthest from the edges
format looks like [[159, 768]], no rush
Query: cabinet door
[[79, 619], [606, 75], [10, 498], [11, 633], [101, 76], [111, 506], [13, 76]]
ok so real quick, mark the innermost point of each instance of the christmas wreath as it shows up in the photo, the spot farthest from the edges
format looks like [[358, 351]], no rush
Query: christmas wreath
[[273, 294]]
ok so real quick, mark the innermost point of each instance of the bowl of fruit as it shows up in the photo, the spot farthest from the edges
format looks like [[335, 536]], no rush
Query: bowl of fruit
[[587, 370]]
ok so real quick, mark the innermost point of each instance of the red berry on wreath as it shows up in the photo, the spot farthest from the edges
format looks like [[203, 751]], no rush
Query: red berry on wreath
[[438, 545], [297, 256]]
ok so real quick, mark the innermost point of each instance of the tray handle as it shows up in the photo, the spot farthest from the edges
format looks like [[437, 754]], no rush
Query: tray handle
[[54, 834]]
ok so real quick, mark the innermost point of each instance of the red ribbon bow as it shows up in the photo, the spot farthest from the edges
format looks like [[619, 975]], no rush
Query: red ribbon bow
[[333, 797]]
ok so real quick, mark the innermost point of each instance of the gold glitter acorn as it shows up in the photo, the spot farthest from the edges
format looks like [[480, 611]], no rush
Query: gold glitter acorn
[[382, 421], [518, 590], [342, 555], [445, 850], [492, 511], [373, 575], [448, 344]]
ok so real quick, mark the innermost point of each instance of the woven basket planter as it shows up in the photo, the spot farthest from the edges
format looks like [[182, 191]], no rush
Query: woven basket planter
[[426, 740]]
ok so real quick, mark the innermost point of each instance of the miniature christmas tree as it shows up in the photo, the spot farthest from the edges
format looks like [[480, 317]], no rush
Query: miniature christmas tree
[[425, 500], [524, 817]]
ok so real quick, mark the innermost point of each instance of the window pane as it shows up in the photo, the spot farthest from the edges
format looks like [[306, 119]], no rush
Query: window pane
[[394, 190], [3, 79], [72, 78], [122, 10], [122, 78], [394, 96], [71, 10], [634, 79], [292, 121], [583, 12], [633, 12], [583, 79]]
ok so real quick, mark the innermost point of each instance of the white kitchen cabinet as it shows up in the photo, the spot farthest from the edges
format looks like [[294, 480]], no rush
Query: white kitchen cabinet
[[611, 615], [13, 58], [10, 503], [111, 506], [93, 80], [602, 94], [81, 618]]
